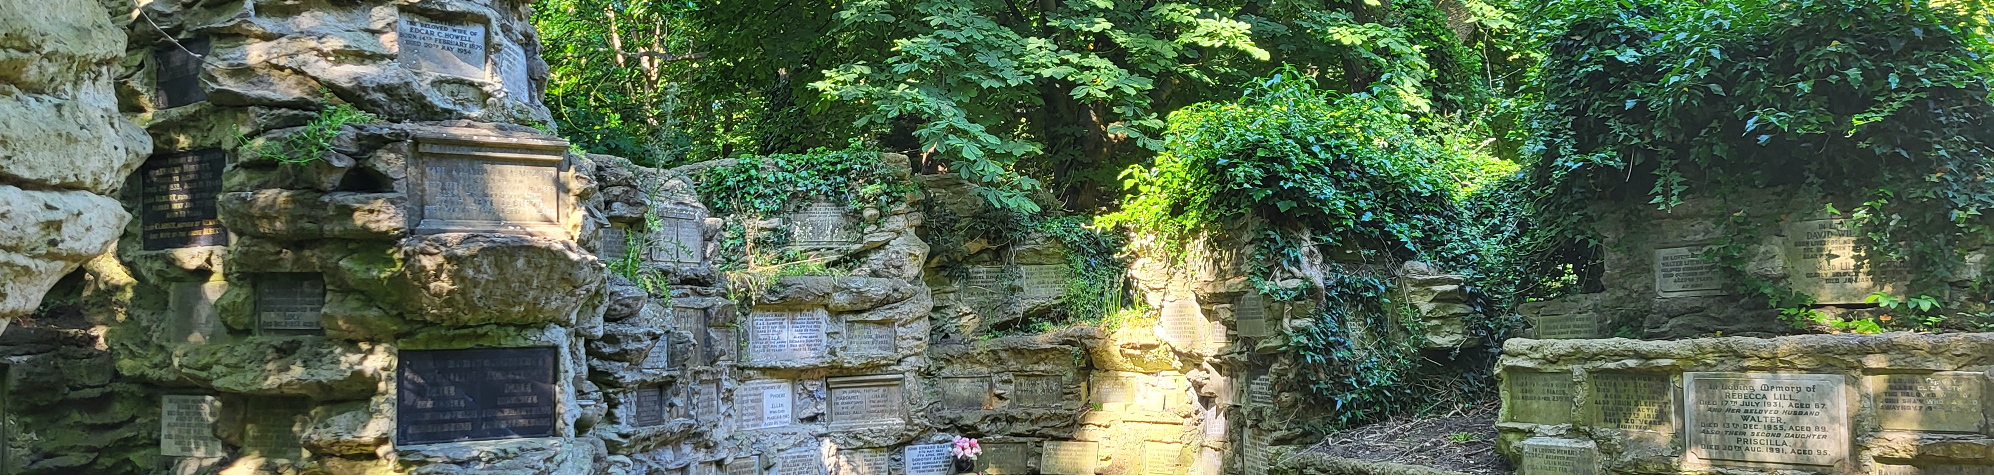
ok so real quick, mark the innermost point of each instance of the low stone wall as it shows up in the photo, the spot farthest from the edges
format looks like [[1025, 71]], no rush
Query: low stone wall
[[1896, 403]]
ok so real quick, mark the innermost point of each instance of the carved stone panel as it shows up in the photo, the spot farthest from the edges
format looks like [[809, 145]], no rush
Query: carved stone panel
[[1579, 324], [1041, 281], [1632, 402], [1069, 457], [647, 406], [706, 402], [1182, 324], [1163, 458], [476, 394], [984, 289], [1539, 397], [187, 426], [743, 465], [965, 393], [1004, 458], [1038, 391], [866, 401], [1822, 260], [871, 338], [490, 184], [861, 461], [1559, 456], [1678, 273], [1943, 401], [681, 235], [804, 458], [780, 336], [763, 404], [822, 224], [1768, 418], [1255, 445], [191, 314], [1250, 315], [1113, 388], [614, 242], [928, 459], [1260, 391], [178, 192], [444, 48], [273, 427], [289, 301]]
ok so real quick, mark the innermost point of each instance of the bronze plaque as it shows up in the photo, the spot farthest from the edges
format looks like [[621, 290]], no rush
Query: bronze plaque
[[681, 235], [871, 338], [187, 426], [866, 401], [274, 427], [474, 183], [1038, 391], [965, 393], [176, 78], [777, 336], [648, 407], [289, 301], [178, 195], [476, 394], [436, 47]]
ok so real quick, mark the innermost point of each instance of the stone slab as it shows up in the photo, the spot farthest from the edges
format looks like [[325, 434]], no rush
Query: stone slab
[[443, 48], [187, 426], [289, 301], [860, 461], [1260, 391], [1255, 444], [743, 465], [965, 393], [476, 394], [786, 336], [1004, 458], [1539, 397], [192, 317], [1678, 273], [866, 401], [1114, 388], [1822, 261], [1909, 469], [647, 406], [1559, 456], [476, 184], [706, 402], [1041, 281], [1767, 418], [1038, 391], [822, 224], [273, 427], [176, 77], [927, 459], [1069, 457], [614, 242], [1249, 315], [1164, 458], [177, 194], [763, 404], [804, 458], [1631, 401], [509, 68], [1942, 401], [1572, 325], [871, 338], [1181, 323], [681, 235]]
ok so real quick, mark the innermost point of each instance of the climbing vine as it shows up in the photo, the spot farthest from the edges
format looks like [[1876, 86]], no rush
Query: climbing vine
[[753, 188]]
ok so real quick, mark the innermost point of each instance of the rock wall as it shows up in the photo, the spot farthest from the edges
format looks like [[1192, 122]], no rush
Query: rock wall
[[1895, 403]]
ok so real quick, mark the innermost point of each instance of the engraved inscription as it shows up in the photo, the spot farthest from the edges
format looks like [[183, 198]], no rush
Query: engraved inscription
[[1632, 402], [822, 224], [1250, 315], [1069, 457], [681, 235], [786, 335], [177, 73], [1163, 458], [1574, 325], [1181, 323], [272, 427], [1772, 418], [1114, 389], [648, 406], [861, 461], [1822, 261], [1539, 397], [1038, 391], [1004, 458], [178, 195], [1678, 273], [1042, 281], [1261, 391], [927, 459], [476, 394], [289, 301], [870, 338], [457, 50], [490, 194], [187, 426], [965, 393], [615, 242], [706, 402], [1944, 401], [805, 458], [747, 465], [763, 404], [876, 400], [1559, 456], [1256, 451], [983, 290]]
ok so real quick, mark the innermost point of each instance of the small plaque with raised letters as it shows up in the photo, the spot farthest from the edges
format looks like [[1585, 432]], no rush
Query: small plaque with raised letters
[[476, 394]]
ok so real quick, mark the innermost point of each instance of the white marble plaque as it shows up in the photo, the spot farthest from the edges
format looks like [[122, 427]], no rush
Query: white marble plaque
[[763, 404], [805, 458], [1163, 458], [1181, 324], [871, 338], [1767, 418], [822, 224], [1559, 456], [681, 235], [866, 401], [928, 459], [777, 336], [1942, 401], [187, 426], [1821, 260], [1678, 273], [1069, 457], [453, 49]]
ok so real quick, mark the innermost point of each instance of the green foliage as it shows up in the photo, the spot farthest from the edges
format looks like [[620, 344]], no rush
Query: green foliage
[[314, 139], [855, 176]]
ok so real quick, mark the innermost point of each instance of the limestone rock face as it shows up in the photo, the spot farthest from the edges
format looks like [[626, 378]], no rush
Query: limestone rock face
[[462, 278], [62, 144]]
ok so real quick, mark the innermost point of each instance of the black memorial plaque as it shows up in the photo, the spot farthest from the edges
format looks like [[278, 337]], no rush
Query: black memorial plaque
[[179, 192], [289, 301], [476, 394], [650, 406], [177, 74]]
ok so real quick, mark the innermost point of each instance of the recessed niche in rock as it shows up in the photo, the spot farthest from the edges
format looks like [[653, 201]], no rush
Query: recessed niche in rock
[[871, 338], [965, 393], [178, 192], [1559, 456], [443, 48], [780, 336], [1181, 324], [273, 426], [681, 235], [470, 183], [647, 406], [1004, 458], [1678, 273], [861, 461], [822, 224], [1539, 397], [176, 78], [866, 401], [187, 426], [614, 242], [1943, 401], [1038, 391], [1069, 457], [927, 459], [1632, 402], [476, 394], [1822, 261], [804, 458], [763, 404], [1250, 315], [191, 314], [1767, 418], [289, 302], [1041, 281], [1163, 458]]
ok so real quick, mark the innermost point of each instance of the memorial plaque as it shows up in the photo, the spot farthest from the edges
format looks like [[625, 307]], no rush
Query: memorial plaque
[[1038, 391], [456, 50], [984, 290], [1181, 323], [1943, 401], [509, 66], [1004, 458], [1069, 457], [1822, 261], [475, 183], [706, 402], [1559, 456], [1163, 458], [289, 301], [1042, 281], [1933, 469], [692, 320], [1632, 402], [178, 195], [274, 427], [862, 461], [1769, 418], [703, 467], [720, 342], [1573, 325], [1172, 391], [928, 459], [966, 393], [1114, 388], [476, 394], [871, 338], [1250, 315], [1261, 391], [866, 401], [763, 404], [681, 235], [1255, 445], [1678, 273], [615, 243], [822, 224], [176, 78], [1539, 397], [805, 458], [743, 465], [1214, 425], [648, 407], [187, 426], [776, 336], [192, 317]]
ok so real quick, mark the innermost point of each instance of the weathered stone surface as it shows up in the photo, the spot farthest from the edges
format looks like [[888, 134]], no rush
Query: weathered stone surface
[[467, 279], [46, 234]]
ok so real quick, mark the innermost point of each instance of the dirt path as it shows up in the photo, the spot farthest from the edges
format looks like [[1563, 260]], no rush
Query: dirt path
[[1463, 442]]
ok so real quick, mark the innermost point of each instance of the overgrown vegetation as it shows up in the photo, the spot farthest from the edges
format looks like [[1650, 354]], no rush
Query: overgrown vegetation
[[310, 141], [754, 188]]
